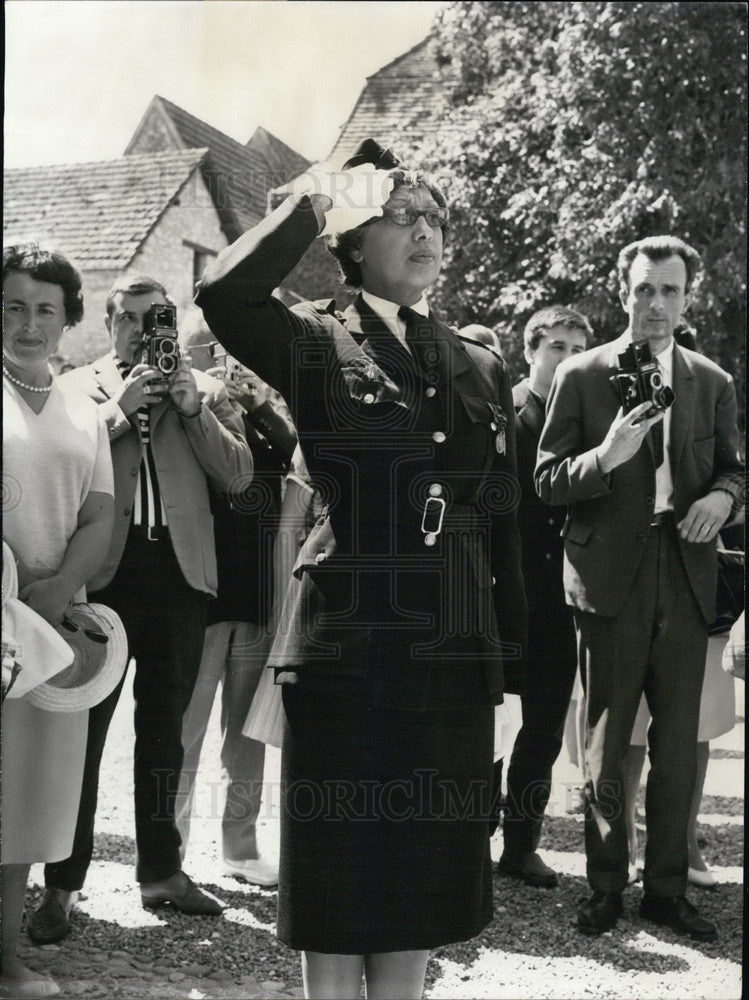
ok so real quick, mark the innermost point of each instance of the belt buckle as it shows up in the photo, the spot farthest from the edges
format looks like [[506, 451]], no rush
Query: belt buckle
[[432, 518]]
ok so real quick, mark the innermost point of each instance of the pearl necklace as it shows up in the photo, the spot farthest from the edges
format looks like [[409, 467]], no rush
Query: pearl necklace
[[25, 385]]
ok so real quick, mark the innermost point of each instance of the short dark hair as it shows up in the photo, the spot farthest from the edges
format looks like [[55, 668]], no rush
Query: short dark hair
[[50, 266], [342, 245], [134, 284], [658, 248], [545, 319]]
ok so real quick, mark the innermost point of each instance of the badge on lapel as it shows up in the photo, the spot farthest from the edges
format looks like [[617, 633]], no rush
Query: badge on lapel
[[499, 426]]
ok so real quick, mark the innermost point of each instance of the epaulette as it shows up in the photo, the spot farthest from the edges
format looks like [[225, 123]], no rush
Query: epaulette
[[325, 306], [480, 343]]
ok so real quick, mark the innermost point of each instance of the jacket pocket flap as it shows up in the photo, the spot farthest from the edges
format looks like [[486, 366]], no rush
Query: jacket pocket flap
[[577, 532], [481, 411]]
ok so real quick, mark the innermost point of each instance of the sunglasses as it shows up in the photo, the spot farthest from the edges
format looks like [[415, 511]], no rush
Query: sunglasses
[[90, 633], [436, 217]]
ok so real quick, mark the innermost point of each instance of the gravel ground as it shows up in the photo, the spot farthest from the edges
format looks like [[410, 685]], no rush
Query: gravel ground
[[531, 950]]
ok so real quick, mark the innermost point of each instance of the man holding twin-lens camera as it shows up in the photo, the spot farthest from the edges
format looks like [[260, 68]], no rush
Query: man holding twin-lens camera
[[171, 430], [649, 477]]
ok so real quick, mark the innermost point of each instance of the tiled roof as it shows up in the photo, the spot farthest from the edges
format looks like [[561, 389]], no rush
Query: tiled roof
[[98, 214], [239, 177], [283, 161], [400, 103]]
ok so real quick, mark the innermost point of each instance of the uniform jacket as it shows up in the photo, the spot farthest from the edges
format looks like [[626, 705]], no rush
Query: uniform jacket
[[186, 453], [609, 516], [540, 525], [368, 589]]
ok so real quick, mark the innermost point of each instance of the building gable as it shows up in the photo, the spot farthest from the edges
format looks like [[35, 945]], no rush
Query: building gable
[[401, 103]]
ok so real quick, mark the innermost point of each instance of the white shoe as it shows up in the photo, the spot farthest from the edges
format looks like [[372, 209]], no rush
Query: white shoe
[[705, 880], [256, 871]]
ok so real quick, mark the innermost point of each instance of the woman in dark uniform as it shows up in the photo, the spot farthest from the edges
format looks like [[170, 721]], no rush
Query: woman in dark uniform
[[405, 616]]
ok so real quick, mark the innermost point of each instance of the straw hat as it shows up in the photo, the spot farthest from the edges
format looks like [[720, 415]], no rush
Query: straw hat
[[97, 637]]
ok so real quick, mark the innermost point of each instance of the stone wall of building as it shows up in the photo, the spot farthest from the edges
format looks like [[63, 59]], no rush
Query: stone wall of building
[[190, 222]]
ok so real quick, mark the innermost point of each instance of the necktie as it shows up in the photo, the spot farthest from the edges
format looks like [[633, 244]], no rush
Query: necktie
[[419, 337], [656, 437]]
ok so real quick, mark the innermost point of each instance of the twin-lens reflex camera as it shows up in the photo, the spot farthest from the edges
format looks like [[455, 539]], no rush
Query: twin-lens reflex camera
[[160, 347], [639, 381]]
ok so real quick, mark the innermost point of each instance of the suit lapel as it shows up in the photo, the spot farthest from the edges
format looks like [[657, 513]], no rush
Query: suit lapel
[[107, 375], [529, 411], [682, 410]]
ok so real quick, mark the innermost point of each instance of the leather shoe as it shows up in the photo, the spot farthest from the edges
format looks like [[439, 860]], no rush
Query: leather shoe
[[529, 869], [50, 920], [256, 871], [677, 913], [179, 890], [600, 913]]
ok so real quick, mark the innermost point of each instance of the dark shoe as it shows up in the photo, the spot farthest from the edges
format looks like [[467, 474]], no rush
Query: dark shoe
[[600, 913], [50, 920], [677, 913], [530, 869], [179, 890]]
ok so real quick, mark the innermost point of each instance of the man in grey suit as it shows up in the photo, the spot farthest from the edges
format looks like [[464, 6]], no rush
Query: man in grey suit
[[646, 498], [169, 436]]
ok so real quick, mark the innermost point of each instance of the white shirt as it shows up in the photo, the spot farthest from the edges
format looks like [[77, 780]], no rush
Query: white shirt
[[664, 484], [388, 313]]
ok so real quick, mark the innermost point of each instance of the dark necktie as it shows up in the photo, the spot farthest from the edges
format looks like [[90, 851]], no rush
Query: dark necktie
[[419, 337], [656, 434], [656, 437]]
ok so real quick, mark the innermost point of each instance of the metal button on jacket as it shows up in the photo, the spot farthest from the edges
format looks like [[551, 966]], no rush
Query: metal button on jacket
[[438, 436], [431, 391], [435, 490]]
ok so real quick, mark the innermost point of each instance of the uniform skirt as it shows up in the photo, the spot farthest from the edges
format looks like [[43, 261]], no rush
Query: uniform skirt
[[384, 832]]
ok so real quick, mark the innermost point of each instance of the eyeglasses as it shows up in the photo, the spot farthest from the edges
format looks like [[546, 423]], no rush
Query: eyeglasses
[[436, 217], [90, 633]]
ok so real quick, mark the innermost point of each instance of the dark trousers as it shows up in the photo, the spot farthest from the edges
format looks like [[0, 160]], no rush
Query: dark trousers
[[656, 644], [165, 622], [552, 662]]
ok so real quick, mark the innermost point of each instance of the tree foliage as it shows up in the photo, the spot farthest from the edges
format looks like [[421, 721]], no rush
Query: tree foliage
[[591, 125]]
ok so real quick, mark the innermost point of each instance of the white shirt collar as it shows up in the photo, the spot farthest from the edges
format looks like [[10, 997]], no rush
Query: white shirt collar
[[666, 360], [388, 312]]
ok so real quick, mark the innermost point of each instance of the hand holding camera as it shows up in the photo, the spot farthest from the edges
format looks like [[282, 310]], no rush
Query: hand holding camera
[[250, 393], [183, 389], [142, 386], [625, 436], [243, 386]]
